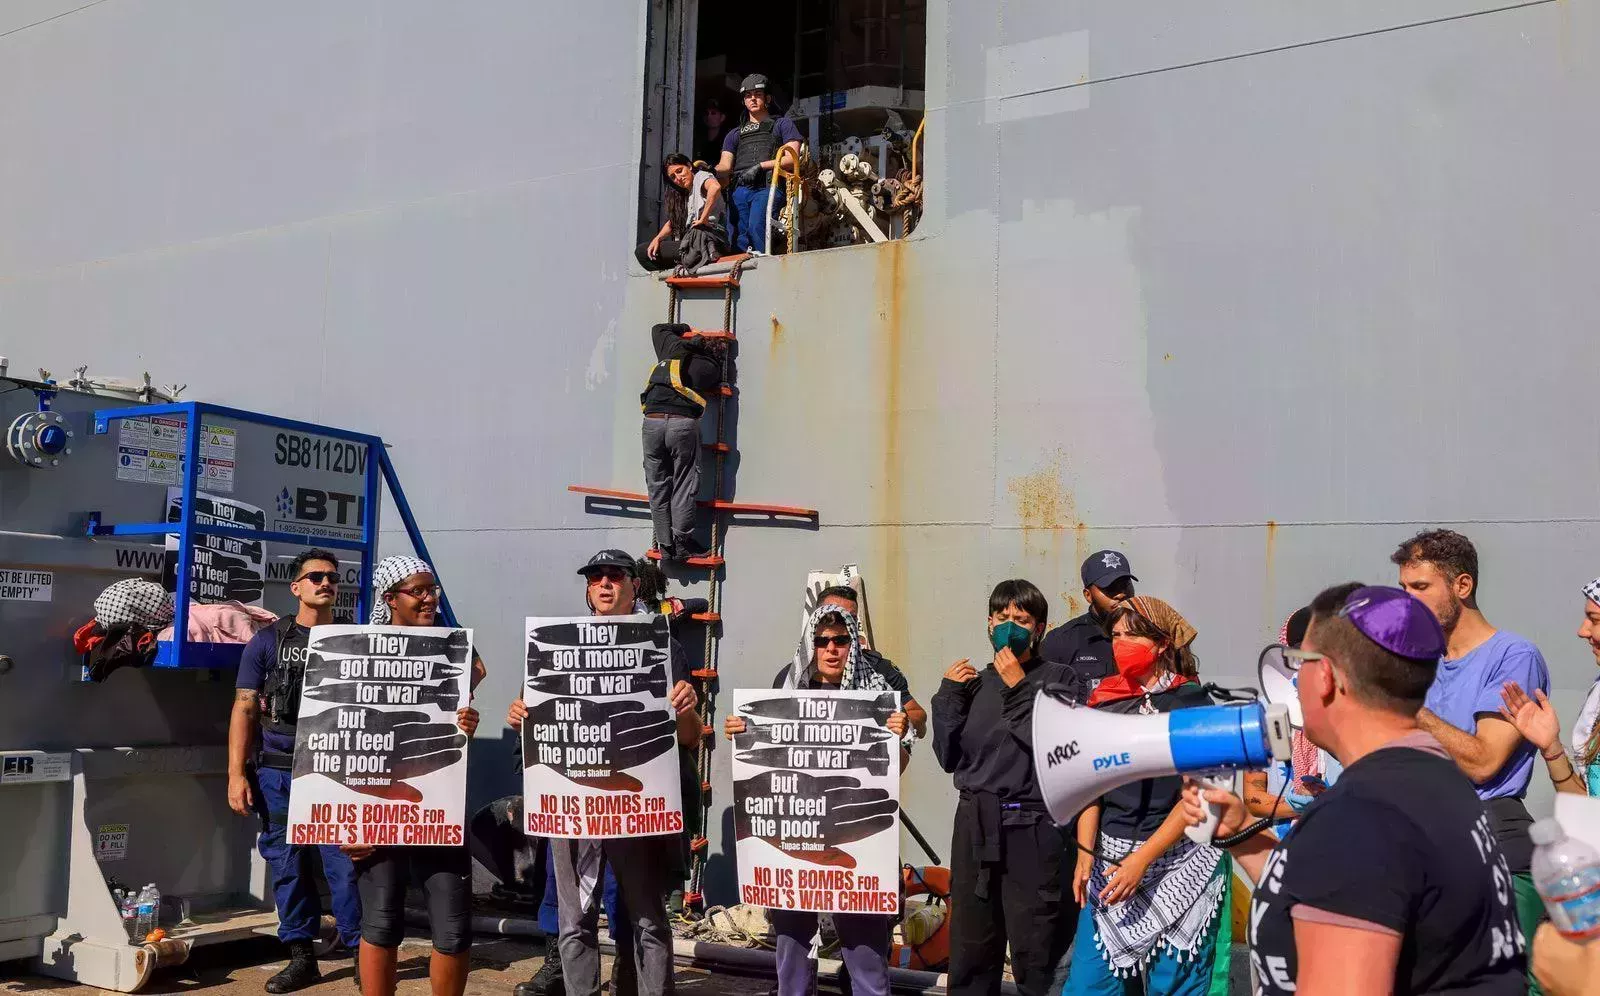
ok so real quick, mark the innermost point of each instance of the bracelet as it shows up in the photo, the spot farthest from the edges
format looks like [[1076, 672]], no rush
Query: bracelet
[[1242, 834], [1558, 754]]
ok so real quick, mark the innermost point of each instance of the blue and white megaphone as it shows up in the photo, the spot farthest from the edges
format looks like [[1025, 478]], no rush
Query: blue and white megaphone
[[1080, 754]]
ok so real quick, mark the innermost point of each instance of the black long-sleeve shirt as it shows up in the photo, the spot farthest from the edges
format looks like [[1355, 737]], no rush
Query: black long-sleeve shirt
[[700, 372], [983, 731]]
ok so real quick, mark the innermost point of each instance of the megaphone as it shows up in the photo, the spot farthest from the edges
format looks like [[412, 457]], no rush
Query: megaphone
[[1278, 683], [1080, 754]]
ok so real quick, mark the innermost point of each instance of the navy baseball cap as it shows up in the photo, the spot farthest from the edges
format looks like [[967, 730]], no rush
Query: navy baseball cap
[[611, 558], [1106, 568]]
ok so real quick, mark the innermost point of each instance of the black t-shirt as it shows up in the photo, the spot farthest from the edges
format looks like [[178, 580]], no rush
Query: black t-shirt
[[1136, 810], [1402, 841]]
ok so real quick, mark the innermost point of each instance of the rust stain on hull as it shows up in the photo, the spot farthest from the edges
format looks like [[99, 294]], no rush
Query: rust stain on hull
[[890, 290], [1269, 581]]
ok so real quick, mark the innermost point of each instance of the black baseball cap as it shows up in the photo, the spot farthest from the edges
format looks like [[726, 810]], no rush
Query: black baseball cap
[[1106, 568], [611, 558], [755, 81]]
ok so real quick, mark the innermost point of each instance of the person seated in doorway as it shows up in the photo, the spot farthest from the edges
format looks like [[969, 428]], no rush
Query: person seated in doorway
[[695, 232], [687, 367], [749, 154]]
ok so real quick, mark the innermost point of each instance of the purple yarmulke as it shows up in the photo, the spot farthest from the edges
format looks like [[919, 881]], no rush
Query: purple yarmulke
[[1396, 622]]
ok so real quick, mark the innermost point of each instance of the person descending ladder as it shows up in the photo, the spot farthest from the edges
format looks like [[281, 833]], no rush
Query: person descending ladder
[[712, 559]]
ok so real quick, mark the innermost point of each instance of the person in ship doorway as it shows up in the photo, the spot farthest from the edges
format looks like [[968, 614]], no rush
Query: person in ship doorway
[[1006, 855], [695, 232], [831, 658], [749, 154], [271, 671], [407, 593], [1152, 898], [687, 368], [645, 867], [1439, 568]]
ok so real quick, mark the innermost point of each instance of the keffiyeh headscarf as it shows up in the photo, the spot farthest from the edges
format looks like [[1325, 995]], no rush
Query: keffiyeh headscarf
[[134, 600], [390, 572], [857, 674], [1583, 729]]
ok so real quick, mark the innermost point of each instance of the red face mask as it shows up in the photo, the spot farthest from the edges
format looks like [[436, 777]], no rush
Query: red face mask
[[1135, 660]]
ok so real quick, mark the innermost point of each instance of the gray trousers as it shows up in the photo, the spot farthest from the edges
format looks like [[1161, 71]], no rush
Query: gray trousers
[[641, 866], [672, 475]]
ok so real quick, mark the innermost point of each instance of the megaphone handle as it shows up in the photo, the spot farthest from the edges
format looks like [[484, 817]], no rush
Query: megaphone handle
[[1202, 832]]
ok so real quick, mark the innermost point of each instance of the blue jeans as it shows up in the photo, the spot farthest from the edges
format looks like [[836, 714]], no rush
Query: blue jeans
[[550, 910], [747, 218], [1166, 975], [294, 879]]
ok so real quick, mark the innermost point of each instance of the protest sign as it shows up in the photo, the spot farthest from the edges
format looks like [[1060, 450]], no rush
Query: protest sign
[[816, 795], [599, 743], [221, 568], [378, 757]]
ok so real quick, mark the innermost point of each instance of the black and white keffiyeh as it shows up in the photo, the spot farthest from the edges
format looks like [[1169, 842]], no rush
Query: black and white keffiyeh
[[1171, 909], [1583, 729], [134, 600], [857, 673], [390, 572]]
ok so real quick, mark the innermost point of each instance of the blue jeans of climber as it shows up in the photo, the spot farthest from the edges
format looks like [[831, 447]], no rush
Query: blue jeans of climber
[[748, 210], [294, 880]]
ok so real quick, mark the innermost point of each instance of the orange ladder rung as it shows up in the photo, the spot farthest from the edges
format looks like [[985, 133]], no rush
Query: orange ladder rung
[[709, 560], [706, 731], [705, 786], [706, 617], [717, 281], [699, 843], [718, 447], [721, 506], [715, 335], [726, 390], [704, 673]]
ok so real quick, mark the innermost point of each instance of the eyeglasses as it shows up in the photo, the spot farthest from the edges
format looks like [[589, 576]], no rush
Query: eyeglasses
[[615, 575], [422, 593], [1287, 658], [320, 577], [825, 641]]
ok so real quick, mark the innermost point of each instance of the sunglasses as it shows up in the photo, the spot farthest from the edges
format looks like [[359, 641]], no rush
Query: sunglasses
[[320, 577], [615, 575], [825, 641]]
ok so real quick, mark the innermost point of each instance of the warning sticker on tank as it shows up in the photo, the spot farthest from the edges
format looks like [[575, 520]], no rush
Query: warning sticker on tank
[[150, 451], [26, 586], [111, 842]]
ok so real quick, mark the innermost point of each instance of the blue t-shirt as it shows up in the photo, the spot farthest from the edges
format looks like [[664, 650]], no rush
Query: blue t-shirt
[[257, 661], [782, 129], [1469, 687]]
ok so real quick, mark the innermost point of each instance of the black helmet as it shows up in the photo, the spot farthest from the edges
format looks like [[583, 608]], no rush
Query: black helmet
[[755, 81]]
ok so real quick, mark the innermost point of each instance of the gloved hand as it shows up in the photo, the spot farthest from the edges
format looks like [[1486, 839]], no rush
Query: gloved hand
[[327, 669], [875, 759], [653, 680], [750, 176], [845, 710], [638, 734], [850, 813], [452, 648], [446, 695], [420, 747]]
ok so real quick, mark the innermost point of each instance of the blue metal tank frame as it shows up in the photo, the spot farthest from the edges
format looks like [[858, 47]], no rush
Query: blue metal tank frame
[[183, 653]]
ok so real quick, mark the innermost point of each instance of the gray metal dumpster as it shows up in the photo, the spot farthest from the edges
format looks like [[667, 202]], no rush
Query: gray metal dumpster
[[125, 779]]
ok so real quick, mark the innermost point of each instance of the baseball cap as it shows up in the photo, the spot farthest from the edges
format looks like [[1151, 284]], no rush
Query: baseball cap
[[611, 558], [1396, 622], [755, 81], [1103, 569]]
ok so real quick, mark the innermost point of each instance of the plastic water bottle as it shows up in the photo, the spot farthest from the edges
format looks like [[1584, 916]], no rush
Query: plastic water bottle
[[149, 904], [128, 906], [1567, 874]]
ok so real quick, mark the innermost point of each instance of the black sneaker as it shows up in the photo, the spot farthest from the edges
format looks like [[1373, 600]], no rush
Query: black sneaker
[[302, 970], [624, 975], [690, 547], [545, 982]]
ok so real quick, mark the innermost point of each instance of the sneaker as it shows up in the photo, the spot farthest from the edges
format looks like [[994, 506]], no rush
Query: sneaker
[[545, 982], [690, 547], [624, 975], [301, 972]]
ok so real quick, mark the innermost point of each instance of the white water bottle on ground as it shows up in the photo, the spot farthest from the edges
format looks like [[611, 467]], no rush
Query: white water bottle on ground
[[149, 903], [1567, 874], [128, 906]]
